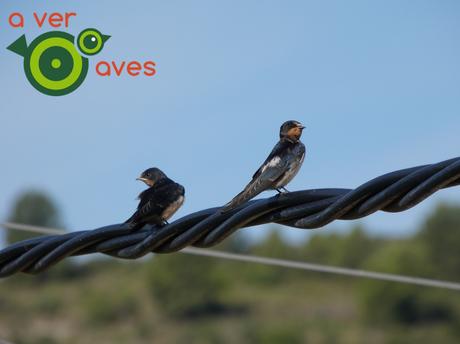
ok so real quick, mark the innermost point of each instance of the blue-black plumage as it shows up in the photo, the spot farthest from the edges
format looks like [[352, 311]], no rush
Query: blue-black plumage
[[159, 202], [278, 169]]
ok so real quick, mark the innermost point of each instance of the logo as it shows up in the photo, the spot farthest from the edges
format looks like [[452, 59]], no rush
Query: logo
[[56, 63], [52, 63]]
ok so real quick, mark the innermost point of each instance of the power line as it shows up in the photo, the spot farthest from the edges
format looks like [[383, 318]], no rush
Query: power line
[[324, 268], [306, 209], [278, 262]]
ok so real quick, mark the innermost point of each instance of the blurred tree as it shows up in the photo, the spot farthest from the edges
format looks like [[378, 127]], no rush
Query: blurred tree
[[322, 248], [185, 285], [32, 208], [272, 246], [355, 248], [398, 302], [236, 243], [441, 235], [102, 307], [275, 246], [350, 250]]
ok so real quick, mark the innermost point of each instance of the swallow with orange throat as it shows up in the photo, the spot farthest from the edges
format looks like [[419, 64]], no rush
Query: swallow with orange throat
[[278, 169]]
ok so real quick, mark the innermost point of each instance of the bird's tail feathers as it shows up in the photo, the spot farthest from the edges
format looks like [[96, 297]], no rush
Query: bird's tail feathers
[[133, 224], [251, 190]]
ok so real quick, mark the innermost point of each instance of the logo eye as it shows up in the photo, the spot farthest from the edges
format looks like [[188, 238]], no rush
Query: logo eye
[[91, 41]]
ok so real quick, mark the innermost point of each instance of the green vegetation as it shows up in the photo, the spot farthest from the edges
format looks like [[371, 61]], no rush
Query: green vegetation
[[33, 208], [179, 298], [186, 286]]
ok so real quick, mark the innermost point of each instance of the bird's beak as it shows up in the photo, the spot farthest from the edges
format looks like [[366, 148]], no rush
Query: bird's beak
[[105, 38], [145, 180], [301, 127]]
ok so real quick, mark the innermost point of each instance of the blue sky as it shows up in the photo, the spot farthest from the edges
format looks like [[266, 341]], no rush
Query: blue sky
[[376, 83]]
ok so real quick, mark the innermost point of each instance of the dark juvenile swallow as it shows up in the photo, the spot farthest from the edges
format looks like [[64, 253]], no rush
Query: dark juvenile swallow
[[159, 202], [278, 169]]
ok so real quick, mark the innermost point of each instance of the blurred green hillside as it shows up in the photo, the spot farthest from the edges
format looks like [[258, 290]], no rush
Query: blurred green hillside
[[179, 298]]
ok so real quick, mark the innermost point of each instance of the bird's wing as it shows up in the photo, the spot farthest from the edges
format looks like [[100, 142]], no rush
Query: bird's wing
[[154, 200], [148, 206], [263, 179], [275, 152]]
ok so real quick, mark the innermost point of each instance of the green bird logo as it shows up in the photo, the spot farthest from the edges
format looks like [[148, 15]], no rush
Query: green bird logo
[[52, 63]]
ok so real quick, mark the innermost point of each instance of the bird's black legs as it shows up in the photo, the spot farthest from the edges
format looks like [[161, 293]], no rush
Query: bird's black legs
[[282, 190]]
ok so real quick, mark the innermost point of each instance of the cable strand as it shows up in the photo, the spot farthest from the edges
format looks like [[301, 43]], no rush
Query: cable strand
[[392, 192]]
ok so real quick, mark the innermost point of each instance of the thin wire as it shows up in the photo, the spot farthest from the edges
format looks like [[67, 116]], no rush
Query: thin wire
[[278, 262], [324, 268], [30, 228]]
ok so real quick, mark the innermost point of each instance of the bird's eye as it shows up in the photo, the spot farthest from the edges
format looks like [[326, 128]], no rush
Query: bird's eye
[[90, 41]]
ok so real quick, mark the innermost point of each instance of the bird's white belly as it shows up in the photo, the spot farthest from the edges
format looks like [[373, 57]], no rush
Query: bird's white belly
[[171, 209], [290, 173]]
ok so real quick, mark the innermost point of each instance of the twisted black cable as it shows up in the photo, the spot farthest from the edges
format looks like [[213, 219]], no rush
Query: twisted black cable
[[308, 209]]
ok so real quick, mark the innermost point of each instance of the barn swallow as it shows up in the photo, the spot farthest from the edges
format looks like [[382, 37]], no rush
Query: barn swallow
[[159, 202], [278, 169]]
